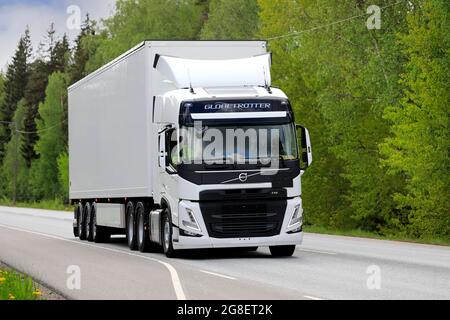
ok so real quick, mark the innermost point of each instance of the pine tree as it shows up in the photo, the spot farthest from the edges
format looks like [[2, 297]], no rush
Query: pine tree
[[59, 56], [16, 80], [34, 95], [81, 53]]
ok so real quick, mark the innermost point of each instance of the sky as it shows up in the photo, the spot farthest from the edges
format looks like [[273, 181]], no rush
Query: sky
[[15, 15]]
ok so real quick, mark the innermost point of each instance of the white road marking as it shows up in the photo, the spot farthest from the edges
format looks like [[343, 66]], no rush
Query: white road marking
[[173, 273], [317, 251], [218, 275], [313, 298]]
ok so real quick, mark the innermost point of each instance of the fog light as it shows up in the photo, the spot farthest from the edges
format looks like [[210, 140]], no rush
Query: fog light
[[297, 217], [192, 223]]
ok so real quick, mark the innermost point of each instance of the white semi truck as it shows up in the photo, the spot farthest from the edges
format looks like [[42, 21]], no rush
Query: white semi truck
[[185, 145]]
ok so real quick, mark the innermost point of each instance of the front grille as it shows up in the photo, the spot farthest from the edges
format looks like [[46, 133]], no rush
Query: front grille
[[243, 219]]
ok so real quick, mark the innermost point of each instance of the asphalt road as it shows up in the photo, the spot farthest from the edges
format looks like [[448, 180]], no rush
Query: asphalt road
[[40, 243]]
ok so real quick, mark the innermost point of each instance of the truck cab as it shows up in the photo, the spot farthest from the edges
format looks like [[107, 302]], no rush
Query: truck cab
[[229, 169]]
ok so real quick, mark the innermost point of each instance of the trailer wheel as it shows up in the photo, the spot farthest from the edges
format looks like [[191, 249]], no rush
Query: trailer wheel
[[76, 216], [143, 225], [89, 223], [282, 251], [167, 235], [82, 222], [131, 227]]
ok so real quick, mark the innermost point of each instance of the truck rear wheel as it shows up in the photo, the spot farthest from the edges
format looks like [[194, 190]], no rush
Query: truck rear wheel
[[131, 227], [143, 233], [282, 251], [167, 236], [76, 216], [82, 222]]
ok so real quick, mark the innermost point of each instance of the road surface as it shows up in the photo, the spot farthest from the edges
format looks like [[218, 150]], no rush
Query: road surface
[[41, 244]]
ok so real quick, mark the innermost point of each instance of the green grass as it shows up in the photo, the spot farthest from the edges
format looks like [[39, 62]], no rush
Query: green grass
[[55, 204], [15, 286], [373, 235]]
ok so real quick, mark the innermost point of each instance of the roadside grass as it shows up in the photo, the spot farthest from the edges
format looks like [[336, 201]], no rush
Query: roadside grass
[[54, 204], [16, 286], [373, 235]]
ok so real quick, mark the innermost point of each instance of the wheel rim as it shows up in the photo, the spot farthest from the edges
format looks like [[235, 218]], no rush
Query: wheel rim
[[141, 228], [130, 228], [94, 225], [80, 224], [88, 224], [167, 235]]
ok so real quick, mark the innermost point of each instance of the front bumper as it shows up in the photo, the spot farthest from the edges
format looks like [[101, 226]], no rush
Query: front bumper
[[204, 241]]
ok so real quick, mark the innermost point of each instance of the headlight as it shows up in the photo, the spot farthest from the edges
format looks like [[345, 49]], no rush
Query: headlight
[[297, 217], [192, 223]]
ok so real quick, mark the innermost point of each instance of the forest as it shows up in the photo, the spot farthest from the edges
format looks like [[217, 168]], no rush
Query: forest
[[376, 100]]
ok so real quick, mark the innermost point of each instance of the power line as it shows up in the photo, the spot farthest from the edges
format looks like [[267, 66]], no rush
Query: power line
[[35, 132], [42, 130], [296, 33]]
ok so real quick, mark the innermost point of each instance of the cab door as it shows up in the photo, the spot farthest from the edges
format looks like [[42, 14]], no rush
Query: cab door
[[167, 166]]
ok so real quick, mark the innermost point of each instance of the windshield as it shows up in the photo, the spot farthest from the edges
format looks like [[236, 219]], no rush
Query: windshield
[[243, 144]]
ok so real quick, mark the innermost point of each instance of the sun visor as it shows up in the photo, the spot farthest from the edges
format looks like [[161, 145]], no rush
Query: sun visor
[[184, 73]]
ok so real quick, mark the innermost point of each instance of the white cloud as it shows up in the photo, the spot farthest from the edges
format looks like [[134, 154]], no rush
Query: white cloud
[[14, 18]]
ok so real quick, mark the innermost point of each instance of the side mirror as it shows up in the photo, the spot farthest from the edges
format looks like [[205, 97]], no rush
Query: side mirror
[[306, 157]]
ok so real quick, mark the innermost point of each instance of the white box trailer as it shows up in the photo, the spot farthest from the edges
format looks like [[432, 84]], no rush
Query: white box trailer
[[121, 176]]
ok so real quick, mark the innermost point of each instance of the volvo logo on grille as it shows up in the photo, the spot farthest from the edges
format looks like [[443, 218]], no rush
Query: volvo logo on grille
[[243, 177]]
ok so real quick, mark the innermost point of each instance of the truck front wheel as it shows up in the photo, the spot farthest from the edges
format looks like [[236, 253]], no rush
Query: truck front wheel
[[167, 233], [282, 251]]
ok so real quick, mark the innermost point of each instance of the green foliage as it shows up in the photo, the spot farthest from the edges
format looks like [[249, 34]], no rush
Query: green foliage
[[15, 286], [341, 94], [418, 147], [13, 164], [16, 80], [63, 173], [44, 171], [231, 20], [376, 101], [82, 53], [139, 20], [34, 95]]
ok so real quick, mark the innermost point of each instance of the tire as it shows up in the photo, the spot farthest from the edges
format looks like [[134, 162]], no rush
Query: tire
[[90, 223], [76, 216], [167, 233], [142, 227], [82, 222], [282, 251], [131, 227], [99, 234]]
